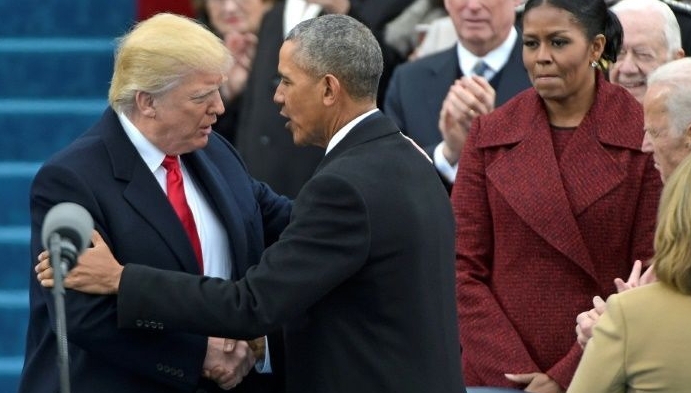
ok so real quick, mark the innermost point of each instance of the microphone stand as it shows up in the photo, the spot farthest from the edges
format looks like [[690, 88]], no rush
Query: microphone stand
[[63, 255]]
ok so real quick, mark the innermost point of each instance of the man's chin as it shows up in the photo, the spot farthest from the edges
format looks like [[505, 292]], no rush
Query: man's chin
[[299, 142]]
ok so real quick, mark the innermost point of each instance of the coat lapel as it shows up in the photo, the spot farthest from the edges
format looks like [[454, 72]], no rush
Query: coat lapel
[[549, 195], [588, 170], [373, 126], [589, 164], [527, 176], [223, 199], [144, 194]]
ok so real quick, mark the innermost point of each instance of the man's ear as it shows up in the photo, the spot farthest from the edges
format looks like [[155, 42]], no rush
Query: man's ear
[[678, 54], [332, 89], [145, 104], [687, 137]]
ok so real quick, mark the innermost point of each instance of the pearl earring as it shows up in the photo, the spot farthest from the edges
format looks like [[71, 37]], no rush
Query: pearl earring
[[593, 64]]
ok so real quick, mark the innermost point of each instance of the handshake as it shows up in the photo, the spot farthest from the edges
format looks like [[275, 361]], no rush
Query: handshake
[[228, 361]]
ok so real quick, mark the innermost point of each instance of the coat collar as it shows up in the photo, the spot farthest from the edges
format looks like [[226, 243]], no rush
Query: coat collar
[[528, 108], [372, 127], [556, 193]]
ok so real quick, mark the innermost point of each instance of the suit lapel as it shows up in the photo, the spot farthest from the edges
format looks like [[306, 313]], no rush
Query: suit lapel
[[512, 78], [441, 77], [222, 197], [144, 194]]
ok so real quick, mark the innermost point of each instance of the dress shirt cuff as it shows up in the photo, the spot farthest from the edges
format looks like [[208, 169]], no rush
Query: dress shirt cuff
[[447, 170], [263, 366]]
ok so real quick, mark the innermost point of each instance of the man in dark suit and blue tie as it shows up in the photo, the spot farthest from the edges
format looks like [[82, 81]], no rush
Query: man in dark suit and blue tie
[[362, 279], [164, 98], [434, 99]]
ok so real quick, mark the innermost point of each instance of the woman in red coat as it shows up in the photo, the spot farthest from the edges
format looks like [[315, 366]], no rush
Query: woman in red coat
[[553, 200]]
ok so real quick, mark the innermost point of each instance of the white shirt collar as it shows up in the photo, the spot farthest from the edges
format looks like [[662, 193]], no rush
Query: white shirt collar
[[495, 59], [340, 134], [152, 155], [296, 11]]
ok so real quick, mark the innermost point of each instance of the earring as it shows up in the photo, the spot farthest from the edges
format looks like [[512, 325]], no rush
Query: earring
[[593, 64]]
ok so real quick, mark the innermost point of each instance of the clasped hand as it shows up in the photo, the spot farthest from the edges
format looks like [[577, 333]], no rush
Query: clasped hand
[[585, 321], [227, 361]]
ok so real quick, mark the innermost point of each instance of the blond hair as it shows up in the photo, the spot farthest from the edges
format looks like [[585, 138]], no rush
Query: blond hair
[[158, 52], [672, 257]]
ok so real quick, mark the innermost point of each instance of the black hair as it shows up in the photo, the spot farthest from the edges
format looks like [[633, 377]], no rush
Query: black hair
[[595, 18]]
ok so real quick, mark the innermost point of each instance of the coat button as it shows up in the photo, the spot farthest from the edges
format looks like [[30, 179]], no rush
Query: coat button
[[159, 367], [139, 323]]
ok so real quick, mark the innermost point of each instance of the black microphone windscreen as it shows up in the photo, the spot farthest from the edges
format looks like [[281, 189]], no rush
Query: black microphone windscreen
[[70, 221]]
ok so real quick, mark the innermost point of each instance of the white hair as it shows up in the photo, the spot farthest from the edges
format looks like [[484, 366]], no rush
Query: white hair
[[676, 77], [670, 29]]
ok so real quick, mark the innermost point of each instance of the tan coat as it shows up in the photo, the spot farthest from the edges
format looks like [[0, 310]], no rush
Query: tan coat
[[641, 344]]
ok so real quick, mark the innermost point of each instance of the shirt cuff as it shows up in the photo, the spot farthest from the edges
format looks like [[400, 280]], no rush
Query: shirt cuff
[[447, 171], [263, 366]]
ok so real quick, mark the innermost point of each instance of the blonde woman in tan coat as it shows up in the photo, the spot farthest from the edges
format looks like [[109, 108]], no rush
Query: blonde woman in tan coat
[[642, 342]]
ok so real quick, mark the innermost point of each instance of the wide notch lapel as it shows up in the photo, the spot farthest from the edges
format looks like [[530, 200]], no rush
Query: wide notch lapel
[[527, 176], [147, 198], [591, 170], [588, 170], [223, 198], [441, 78]]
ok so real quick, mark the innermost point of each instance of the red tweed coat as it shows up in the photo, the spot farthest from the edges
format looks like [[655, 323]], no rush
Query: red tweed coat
[[536, 239]]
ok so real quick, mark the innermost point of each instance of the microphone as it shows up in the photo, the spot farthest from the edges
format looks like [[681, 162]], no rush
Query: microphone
[[65, 234], [67, 227]]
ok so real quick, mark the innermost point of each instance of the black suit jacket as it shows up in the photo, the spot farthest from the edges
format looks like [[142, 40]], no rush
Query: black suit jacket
[[362, 279], [103, 172], [417, 90]]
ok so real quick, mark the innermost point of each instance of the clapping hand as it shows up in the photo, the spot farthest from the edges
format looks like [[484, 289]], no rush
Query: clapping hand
[[468, 98]]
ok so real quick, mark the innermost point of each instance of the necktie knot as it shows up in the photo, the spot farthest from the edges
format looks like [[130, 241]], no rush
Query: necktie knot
[[171, 163], [480, 68]]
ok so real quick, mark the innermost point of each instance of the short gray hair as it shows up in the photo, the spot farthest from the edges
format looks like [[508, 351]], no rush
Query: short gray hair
[[341, 46], [676, 77], [670, 28]]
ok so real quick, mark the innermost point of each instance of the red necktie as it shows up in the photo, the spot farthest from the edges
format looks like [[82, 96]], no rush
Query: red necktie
[[176, 196]]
